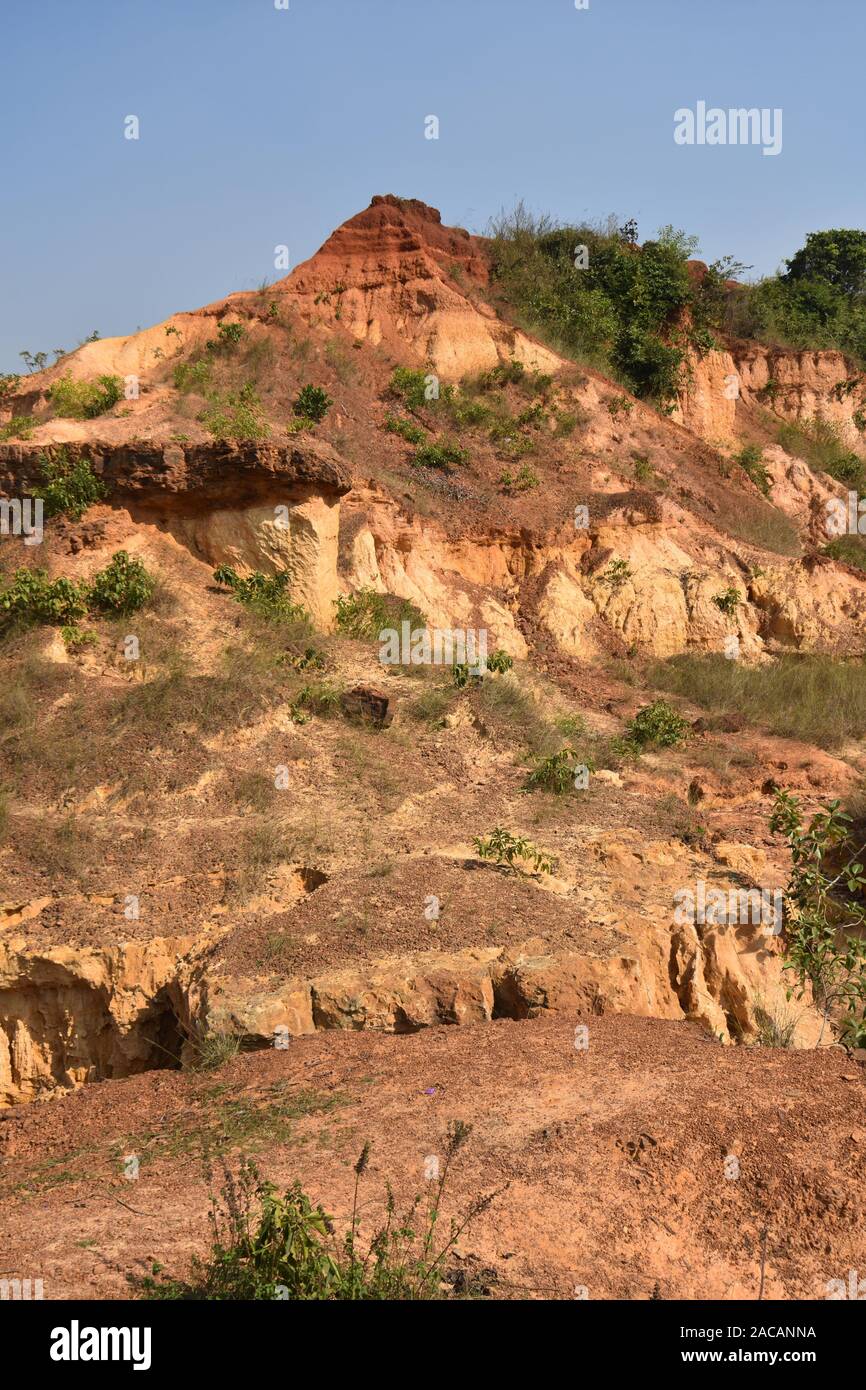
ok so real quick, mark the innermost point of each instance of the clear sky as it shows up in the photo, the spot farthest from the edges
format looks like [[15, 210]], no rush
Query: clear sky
[[261, 126]]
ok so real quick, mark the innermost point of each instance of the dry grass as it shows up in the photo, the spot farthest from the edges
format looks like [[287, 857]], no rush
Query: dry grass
[[813, 698]]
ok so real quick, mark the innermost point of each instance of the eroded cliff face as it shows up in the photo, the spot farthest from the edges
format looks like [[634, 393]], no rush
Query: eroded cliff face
[[799, 386], [70, 1015], [640, 577]]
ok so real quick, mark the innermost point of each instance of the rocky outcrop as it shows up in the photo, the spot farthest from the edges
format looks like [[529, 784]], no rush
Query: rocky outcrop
[[795, 385], [185, 479], [71, 1015], [394, 274]]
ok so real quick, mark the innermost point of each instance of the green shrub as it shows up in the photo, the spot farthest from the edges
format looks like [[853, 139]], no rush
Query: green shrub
[[750, 459], [504, 848], [193, 376], [658, 724], [122, 587], [522, 481], [267, 594], [19, 427], [533, 416], [237, 416], [825, 934], [503, 374], [463, 675], [268, 1246], [366, 613], [556, 773], [308, 660], [616, 574], [84, 400], [567, 422], [413, 434], [227, 338], [312, 404], [443, 453], [32, 598], [728, 601], [463, 411], [68, 487], [499, 662], [411, 386], [75, 639]]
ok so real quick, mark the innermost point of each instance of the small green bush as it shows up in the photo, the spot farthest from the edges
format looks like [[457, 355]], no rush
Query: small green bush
[[499, 662], [728, 601], [68, 487], [228, 336], [269, 1246], [236, 416], [522, 481], [32, 598], [616, 574], [750, 459], [75, 639], [312, 403], [366, 613], [503, 374], [413, 434], [122, 587], [658, 724], [504, 848], [533, 416], [19, 427], [410, 386], [556, 773], [84, 400], [193, 376], [462, 675], [443, 453], [267, 594]]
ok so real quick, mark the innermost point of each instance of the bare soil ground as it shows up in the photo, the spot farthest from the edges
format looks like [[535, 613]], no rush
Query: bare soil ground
[[612, 1159]]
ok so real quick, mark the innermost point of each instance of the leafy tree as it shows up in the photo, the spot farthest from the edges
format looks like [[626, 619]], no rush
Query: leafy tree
[[836, 258]]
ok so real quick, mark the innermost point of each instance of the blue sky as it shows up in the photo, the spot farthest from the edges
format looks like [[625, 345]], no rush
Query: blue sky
[[261, 126]]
